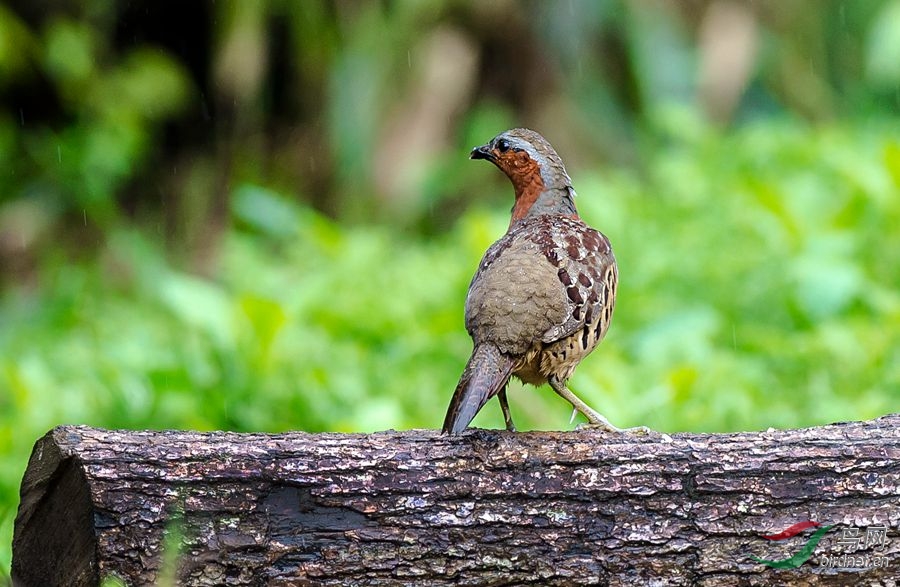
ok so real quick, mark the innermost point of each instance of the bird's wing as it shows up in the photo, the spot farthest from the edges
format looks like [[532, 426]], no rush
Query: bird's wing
[[587, 274]]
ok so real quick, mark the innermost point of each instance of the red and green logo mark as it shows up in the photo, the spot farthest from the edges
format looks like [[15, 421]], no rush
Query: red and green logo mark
[[803, 555]]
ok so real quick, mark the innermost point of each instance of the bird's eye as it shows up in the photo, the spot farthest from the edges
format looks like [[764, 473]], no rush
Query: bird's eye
[[503, 145]]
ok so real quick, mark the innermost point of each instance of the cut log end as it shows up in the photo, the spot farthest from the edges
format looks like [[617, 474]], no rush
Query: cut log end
[[55, 526]]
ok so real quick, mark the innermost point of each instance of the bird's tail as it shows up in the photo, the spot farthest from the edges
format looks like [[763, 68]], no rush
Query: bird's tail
[[485, 375]]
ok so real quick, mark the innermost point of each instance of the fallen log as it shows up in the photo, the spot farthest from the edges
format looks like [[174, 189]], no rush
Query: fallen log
[[488, 508]]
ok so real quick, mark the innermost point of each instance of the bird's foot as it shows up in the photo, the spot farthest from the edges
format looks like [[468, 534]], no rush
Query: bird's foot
[[605, 425], [636, 430], [596, 420]]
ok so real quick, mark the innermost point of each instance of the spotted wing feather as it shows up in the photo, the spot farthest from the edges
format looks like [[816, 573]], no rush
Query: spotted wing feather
[[586, 270]]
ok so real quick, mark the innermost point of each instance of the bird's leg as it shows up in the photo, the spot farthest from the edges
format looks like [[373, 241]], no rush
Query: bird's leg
[[504, 405], [595, 418]]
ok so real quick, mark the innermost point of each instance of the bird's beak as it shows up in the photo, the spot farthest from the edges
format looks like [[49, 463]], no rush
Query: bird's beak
[[482, 152]]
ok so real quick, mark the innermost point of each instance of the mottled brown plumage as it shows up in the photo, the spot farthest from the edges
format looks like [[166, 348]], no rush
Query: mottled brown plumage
[[543, 295]]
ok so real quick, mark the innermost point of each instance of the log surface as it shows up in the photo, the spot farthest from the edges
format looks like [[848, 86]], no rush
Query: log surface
[[487, 508]]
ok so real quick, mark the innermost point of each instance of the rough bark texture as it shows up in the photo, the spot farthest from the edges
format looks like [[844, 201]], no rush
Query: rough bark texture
[[486, 508]]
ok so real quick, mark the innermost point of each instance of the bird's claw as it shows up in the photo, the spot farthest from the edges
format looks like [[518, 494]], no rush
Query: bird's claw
[[637, 430]]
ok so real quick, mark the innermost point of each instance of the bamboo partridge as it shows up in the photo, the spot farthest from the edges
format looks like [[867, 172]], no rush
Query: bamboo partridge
[[543, 295]]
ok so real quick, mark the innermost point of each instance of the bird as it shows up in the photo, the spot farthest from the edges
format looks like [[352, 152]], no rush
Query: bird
[[543, 295]]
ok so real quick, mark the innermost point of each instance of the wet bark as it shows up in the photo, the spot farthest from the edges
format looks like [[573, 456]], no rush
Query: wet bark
[[487, 508]]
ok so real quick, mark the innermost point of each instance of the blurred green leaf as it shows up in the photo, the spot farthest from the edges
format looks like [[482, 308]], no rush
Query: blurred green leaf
[[266, 211], [892, 162], [152, 83], [17, 46], [883, 50], [69, 53], [267, 318], [198, 304]]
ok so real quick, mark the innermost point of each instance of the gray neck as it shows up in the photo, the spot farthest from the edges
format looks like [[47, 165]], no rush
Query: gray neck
[[558, 196], [559, 201]]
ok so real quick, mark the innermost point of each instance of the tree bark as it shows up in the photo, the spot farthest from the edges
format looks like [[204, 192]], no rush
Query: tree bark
[[487, 508]]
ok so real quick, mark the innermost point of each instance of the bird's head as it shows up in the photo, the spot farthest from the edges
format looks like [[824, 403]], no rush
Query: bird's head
[[537, 173]]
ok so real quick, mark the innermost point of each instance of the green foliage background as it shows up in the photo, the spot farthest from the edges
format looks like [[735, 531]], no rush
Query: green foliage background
[[254, 280]]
